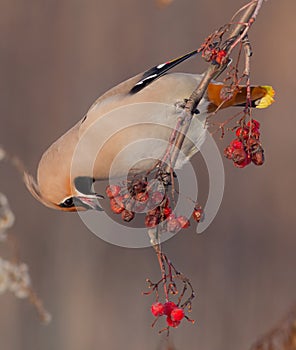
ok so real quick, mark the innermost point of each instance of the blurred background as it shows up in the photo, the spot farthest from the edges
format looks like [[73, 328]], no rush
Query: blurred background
[[56, 58]]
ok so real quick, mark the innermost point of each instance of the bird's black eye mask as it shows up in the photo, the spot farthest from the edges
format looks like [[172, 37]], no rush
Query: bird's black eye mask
[[68, 203], [83, 184]]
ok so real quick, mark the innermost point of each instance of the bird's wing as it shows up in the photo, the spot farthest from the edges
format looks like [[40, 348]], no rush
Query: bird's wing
[[140, 81]]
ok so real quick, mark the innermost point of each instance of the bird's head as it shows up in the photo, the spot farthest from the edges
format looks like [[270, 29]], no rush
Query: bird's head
[[56, 187], [72, 200]]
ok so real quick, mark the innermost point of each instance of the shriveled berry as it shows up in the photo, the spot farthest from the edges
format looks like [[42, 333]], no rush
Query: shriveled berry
[[116, 205], [157, 309], [172, 323], [127, 215], [239, 156], [243, 163], [112, 191], [242, 133], [255, 134], [167, 212], [197, 214], [253, 124], [177, 314], [253, 145], [169, 306], [184, 223], [258, 157], [228, 151]]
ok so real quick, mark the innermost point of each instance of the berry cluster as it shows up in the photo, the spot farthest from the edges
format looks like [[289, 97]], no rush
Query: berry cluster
[[174, 314], [139, 197], [212, 53], [246, 147]]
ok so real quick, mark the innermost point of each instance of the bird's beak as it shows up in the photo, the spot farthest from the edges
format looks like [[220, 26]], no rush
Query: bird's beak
[[90, 202]]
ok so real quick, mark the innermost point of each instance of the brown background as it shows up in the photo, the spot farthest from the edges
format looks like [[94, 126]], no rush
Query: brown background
[[56, 57]]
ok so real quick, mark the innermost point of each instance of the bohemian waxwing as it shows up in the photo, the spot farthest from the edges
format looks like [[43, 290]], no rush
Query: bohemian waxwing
[[127, 127]]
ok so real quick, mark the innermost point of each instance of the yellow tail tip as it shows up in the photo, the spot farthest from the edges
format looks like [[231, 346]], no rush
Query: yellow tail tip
[[268, 99]]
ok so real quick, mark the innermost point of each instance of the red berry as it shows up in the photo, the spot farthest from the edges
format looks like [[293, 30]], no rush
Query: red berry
[[167, 211], [127, 215], [117, 205], [253, 124], [169, 306], [242, 133], [212, 54], [184, 223], [228, 152], [177, 314], [172, 323], [197, 214], [220, 55], [157, 309], [112, 191], [236, 144], [255, 134]]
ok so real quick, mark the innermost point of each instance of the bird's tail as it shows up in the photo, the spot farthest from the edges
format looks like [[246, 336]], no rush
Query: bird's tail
[[220, 96]]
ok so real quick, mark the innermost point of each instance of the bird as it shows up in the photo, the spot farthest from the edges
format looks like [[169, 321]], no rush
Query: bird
[[131, 122]]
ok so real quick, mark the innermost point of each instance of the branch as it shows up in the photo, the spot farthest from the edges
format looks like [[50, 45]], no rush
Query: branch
[[237, 34]]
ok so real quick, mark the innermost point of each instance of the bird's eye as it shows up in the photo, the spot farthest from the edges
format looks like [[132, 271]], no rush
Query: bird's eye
[[68, 203]]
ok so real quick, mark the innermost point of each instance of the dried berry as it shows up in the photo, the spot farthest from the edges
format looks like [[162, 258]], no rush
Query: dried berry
[[127, 215], [197, 214], [228, 152], [239, 156], [242, 133], [253, 124], [253, 145], [116, 205], [255, 134], [258, 157], [112, 191]]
